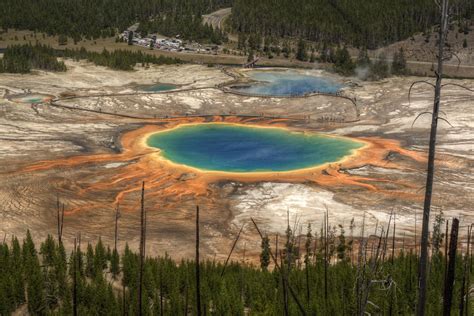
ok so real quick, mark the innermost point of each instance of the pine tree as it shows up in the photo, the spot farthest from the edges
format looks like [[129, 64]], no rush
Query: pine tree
[[363, 59], [301, 53], [90, 266], [379, 69], [399, 63], [33, 277], [62, 40], [343, 63], [342, 246], [18, 280], [251, 57], [437, 234], [115, 263], [265, 253]]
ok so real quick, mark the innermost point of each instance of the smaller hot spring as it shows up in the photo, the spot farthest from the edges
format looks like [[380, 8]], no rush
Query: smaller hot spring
[[31, 98], [287, 83], [158, 87]]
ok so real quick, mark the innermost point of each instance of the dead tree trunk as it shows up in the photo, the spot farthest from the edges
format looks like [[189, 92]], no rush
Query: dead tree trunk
[[326, 258], [284, 287], [142, 250], [448, 287], [60, 220], [446, 244], [422, 272], [117, 215], [464, 299], [74, 279], [198, 277], [393, 239], [276, 246], [231, 250]]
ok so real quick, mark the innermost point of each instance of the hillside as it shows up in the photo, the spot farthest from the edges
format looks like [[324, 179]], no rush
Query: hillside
[[368, 23]]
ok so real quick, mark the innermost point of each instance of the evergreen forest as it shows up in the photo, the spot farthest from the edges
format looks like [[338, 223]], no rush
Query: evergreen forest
[[24, 58], [104, 18], [361, 23], [318, 273]]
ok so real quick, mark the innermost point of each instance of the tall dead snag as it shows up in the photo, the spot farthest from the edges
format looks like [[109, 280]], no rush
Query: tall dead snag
[[326, 257], [446, 244], [286, 312], [74, 279], [231, 250], [422, 271], [142, 250], [198, 268], [360, 265], [393, 239], [307, 258], [117, 215], [60, 215], [465, 277], [392, 293], [448, 287]]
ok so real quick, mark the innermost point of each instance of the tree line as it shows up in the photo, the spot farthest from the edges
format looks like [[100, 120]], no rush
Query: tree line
[[24, 58], [365, 24], [117, 59], [320, 273]]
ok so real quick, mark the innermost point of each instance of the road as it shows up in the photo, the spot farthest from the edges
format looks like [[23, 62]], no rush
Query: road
[[216, 18]]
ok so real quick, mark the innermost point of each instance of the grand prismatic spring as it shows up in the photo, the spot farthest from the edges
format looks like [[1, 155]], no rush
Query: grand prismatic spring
[[237, 148]]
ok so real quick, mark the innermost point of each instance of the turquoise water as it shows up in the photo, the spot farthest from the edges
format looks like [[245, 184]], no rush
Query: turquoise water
[[31, 98], [234, 148], [157, 87], [287, 83]]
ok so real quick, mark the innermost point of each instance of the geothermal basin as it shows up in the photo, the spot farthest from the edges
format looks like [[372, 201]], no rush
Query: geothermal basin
[[286, 83], [239, 148]]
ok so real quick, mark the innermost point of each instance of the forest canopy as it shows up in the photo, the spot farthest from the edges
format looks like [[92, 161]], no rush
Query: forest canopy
[[99, 18], [363, 23]]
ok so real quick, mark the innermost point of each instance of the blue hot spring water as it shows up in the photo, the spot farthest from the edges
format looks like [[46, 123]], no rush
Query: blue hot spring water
[[157, 87], [287, 83], [239, 148]]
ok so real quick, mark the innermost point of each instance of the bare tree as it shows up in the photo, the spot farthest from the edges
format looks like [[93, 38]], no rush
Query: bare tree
[[74, 279], [198, 268], [60, 216], [117, 216], [232, 250], [142, 250], [464, 300], [422, 271], [448, 287]]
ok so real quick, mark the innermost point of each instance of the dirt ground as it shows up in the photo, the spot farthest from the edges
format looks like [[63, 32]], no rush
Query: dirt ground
[[77, 150]]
